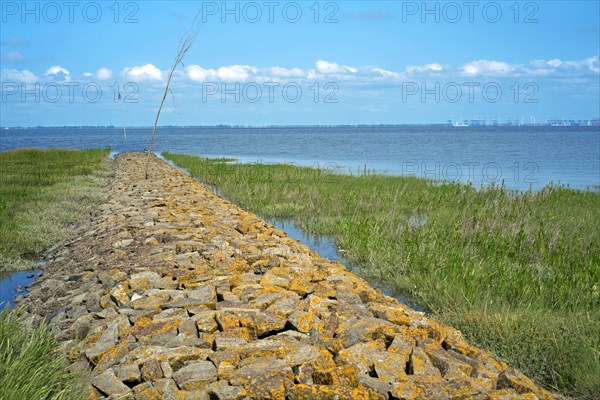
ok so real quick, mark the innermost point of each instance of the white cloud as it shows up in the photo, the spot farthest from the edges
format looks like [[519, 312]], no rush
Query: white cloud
[[88, 74], [236, 73], [146, 72], [487, 67], [365, 74], [326, 67], [14, 75], [556, 66], [387, 74], [330, 68], [104, 73], [199, 74], [57, 69], [240, 73], [592, 63], [554, 63], [57, 72], [434, 67], [279, 72], [535, 68]]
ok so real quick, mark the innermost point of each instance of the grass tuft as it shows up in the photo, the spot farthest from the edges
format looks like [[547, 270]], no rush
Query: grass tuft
[[31, 366]]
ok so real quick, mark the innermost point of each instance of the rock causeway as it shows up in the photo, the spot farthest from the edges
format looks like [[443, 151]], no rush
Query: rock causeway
[[171, 292]]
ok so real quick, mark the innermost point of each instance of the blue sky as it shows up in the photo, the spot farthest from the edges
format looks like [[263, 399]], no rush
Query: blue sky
[[279, 62]]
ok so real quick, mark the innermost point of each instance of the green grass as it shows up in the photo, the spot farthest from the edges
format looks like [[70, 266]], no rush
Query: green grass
[[518, 273], [31, 366], [42, 192]]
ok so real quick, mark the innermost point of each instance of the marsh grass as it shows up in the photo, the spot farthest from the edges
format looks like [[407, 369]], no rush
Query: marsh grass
[[42, 192], [31, 366], [519, 273]]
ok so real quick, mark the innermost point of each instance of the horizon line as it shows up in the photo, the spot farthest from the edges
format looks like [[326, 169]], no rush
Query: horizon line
[[219, 126]]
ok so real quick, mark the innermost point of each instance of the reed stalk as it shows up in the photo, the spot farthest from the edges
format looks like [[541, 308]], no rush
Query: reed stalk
[[185, 43]]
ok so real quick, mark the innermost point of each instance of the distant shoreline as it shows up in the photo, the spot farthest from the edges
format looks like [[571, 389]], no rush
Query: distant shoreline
[[297, 126]]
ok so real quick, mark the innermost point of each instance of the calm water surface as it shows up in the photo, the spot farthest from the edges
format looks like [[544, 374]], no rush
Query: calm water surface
[[13, 284], [519, 157]]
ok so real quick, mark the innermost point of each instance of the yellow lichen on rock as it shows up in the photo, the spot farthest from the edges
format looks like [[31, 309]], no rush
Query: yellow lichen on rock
[[174, 293]]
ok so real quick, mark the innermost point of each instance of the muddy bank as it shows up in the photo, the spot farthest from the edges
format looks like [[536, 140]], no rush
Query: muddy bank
[[172, 292]]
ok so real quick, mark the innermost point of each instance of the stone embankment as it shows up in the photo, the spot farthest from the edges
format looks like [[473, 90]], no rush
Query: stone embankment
[[171, 292]]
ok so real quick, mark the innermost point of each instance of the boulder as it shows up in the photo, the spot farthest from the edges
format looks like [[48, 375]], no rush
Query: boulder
[[196, 375], [264, 378], [109, 384]]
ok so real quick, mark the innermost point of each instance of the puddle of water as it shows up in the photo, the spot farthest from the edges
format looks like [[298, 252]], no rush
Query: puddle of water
[[13, 284], [323, 245], [398, 295]]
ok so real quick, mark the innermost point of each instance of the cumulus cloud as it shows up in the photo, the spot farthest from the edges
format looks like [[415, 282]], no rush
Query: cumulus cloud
[[241, 73], [104, 73], [236, 73], [387, 74], [56, 72], [486, 68], [592, 63], [232, 73], [554, 63], [554, 67], [13, 75], [332, 68], [280, 72], [558, 67], [199, 74], [434, 67], [57, 69], [324, 69], [146, 72]]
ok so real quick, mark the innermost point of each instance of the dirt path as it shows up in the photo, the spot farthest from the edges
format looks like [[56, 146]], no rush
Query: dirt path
[[171, 292]]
